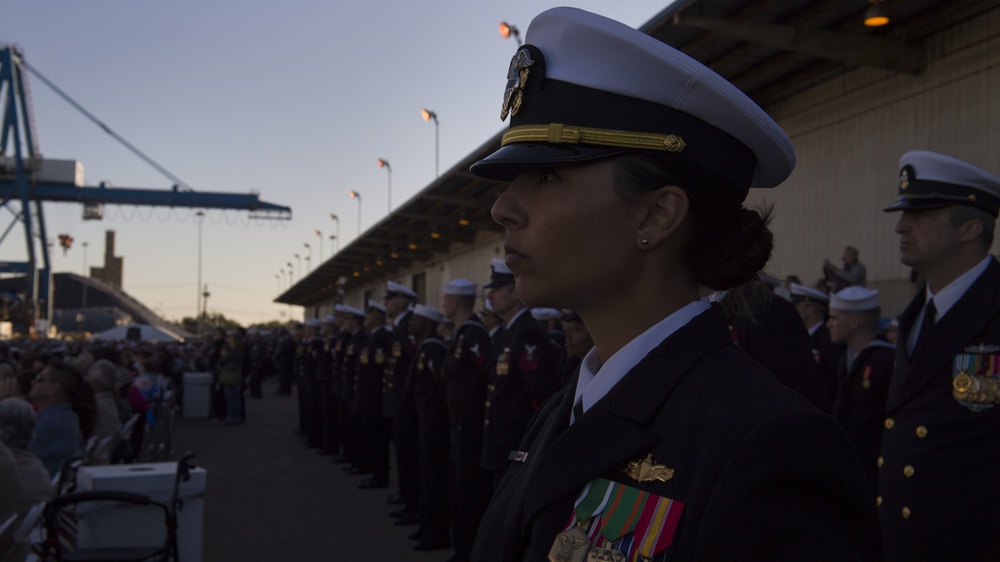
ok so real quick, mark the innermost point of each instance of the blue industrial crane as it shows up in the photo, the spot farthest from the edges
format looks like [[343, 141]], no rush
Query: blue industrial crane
[[28, 179]]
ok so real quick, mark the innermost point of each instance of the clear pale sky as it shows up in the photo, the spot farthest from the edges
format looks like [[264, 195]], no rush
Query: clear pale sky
[[295, 99]]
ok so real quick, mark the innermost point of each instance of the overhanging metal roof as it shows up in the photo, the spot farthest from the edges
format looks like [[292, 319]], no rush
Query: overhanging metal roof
[[770, 49]]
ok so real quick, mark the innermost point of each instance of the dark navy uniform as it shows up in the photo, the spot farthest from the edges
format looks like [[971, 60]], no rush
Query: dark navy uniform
[[352, 359], [432, 411], [330, 436], [465, 386], [828, 356], [775, 337], [521, 374], [768, 446], [940, 446], [343, 379], [859, 406], [375, 426], [309, 387], [398, 406]]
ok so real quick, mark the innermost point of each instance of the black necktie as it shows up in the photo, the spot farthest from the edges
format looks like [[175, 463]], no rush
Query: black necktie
[[578, 409], [930, 315]]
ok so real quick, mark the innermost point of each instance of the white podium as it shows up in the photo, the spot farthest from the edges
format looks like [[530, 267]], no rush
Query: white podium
[[197, 395], [138, 526]]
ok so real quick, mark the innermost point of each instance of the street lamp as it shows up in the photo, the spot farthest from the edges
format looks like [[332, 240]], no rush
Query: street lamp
[[320, 234], [383, 163], [336, 219], [291, 273], [200, 215], [309, 257], [428, 115], [83, 303], [278, 276], [299, 265], [356, 195], [507, 30]]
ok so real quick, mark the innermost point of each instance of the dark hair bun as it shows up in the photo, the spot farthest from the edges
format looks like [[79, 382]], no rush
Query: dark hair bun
[[735, 255]]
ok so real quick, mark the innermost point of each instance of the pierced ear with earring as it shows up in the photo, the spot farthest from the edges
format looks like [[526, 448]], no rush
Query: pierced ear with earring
[[644, 243]]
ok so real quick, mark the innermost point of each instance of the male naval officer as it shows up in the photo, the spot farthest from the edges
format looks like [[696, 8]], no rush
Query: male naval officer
[[939, 499]]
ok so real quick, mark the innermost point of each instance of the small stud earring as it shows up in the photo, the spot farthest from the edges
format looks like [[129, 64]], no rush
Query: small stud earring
[[644, 242]]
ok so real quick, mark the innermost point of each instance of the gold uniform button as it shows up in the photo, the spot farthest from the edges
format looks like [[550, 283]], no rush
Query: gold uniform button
[[921, 431], [889, 423], [878, 500], [906, 513], [880, 461], [486, 422], [908, 471], [491, 388], [487, 403]]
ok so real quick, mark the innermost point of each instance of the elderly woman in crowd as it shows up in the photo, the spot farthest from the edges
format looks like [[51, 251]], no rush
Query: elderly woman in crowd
[[17, 429]]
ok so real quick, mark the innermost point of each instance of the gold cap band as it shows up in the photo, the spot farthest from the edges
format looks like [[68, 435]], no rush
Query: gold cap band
[[557, 133]]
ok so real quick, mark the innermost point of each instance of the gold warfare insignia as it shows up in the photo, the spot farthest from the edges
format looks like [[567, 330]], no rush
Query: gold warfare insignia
[[646, 471], [904, 180], [458, 346], [420, 362], [517, 76], [379, 357], [397, 349]]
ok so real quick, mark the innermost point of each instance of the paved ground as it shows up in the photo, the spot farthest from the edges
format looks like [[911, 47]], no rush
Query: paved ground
[[271, 499]]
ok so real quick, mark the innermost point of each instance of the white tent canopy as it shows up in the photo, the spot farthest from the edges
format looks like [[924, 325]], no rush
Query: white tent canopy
[[136, 332]]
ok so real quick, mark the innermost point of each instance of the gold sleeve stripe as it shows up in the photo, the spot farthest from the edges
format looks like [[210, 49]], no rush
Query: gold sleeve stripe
[[557, 133]]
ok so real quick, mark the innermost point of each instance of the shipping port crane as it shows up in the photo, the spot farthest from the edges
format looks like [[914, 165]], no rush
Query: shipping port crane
[[27, 180]]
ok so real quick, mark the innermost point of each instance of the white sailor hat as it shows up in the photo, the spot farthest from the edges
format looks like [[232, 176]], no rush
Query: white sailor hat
[[428, 312], [313, 322], [375, 306], [543, 314], [461, 287], [329, 319], [500, 274], [584, 88], [340, 308], [350, 310], [928, 180], [801, 293], [396, 289], [855, 299]]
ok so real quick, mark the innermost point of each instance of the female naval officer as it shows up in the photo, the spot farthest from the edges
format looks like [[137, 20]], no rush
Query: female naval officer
[[629, 163]]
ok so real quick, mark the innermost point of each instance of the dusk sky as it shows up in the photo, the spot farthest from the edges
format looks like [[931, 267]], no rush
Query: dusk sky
[[295, 99]]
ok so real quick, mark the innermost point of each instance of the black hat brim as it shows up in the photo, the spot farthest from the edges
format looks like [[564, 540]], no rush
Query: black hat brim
[[505, 164], [919, 204]]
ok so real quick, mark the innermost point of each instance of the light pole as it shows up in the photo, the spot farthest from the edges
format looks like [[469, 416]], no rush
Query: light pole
[[309, 257], [83, 304], [428, 115], [291, 273], [200, 215], [278, 276], [320, 235], [333, 239], [356, 195], [336, 219], [298, 265], [383, 163], [507, 30]]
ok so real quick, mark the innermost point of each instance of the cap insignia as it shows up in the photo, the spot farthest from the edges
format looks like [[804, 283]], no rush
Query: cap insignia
[[674, 143], [646, 471], [904, 180], [517, 76]]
